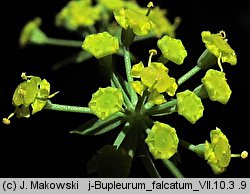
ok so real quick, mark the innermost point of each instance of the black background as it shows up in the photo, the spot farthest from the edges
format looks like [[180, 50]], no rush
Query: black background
[[41, 146]]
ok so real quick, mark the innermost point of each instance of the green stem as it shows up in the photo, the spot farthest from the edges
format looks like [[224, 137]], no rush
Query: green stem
[[186, 145], [116, 82], [172, 168], [162, 60], [160, 108], [66, 108], [141, 101], [147, 160], [188, 75], [62, 42], [127, 61], [121, 136]]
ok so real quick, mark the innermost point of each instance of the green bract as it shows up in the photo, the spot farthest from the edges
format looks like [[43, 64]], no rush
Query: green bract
[[189, 105], [172, 49], [217, 45], [34, 92], [31, 33], [216, 86], [78, 13], [218, 152], [139, 23], [162, 141], [105, 102], [101, 44]]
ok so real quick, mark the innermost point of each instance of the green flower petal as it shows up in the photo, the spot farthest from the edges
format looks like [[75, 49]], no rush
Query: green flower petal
[[148, 76], [26, 92], [44, 90], [101, 44], [217, 45], [106, 101], [216, 86], [162, 141], [156, 98], [78, 13], [138, 87], [189, 105], [218, 152], [137, 69], [139, 23], [172, 49]]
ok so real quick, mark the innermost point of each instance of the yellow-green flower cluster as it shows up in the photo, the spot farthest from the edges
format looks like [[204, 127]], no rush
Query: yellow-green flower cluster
[[101, 44], [77, 14], [189, 105], [155, 78], [216, 86], [106, 101], [218, 152], [162, 141]]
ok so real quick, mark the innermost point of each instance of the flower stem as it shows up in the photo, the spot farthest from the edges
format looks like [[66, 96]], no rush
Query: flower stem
[[62, 42], [173, 169], [188, 75], [147, 160], [186, 145], [116, 82], [141, 101], [161, 108], [127, 61], [66, 108]]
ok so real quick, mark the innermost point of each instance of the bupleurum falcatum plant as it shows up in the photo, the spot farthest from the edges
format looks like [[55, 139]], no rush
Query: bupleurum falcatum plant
[[132, 104]]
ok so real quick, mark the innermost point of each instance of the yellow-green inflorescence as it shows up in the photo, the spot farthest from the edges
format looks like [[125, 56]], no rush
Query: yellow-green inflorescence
[[189, 105], [155, 79], [101, 44], [216, 86], [32, 92], [106, 101], [162, 141], [218, 152], [78, 14]]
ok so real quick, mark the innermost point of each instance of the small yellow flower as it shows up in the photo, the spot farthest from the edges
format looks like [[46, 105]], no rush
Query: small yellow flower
[[218, 152], [189, 105], [105, 102], [218, 46], [138, 22], [162, 141], [216, 86], [31, 33], [172, 49], [77, 14], [101, 44], [32, 92]]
